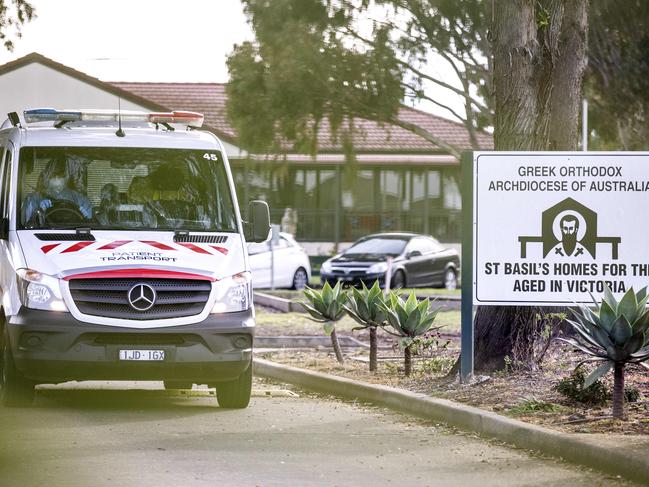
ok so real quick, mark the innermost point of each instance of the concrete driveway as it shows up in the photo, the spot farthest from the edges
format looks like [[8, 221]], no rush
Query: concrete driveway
[[136, 434]]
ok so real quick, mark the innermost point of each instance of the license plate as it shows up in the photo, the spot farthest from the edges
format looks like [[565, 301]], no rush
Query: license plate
[[145, 355]]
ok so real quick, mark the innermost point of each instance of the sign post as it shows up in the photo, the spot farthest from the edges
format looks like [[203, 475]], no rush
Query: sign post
[[467, 332]]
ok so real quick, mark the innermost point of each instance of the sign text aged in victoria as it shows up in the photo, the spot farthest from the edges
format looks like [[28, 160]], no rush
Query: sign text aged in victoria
[[555, 228]]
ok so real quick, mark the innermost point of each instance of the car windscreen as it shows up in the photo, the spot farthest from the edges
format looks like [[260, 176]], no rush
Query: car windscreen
[[124, 188], [379, 246]]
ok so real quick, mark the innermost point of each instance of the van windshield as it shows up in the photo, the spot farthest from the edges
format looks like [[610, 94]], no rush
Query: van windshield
[[124, 189]]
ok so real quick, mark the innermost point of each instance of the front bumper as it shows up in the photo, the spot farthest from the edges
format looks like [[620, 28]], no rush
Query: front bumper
[[353, 280], [51, 347]]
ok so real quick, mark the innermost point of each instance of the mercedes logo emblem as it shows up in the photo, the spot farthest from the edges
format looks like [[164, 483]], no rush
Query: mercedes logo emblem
[[141, 297]]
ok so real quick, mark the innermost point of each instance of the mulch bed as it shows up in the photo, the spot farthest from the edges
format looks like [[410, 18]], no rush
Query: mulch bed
[[526, 395]]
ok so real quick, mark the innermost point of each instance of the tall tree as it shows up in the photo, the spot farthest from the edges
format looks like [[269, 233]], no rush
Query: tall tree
[[13, 15], [539, 58], [517, 65]]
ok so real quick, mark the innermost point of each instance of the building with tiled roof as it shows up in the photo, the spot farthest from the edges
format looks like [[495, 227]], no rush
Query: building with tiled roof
[[401, 181]]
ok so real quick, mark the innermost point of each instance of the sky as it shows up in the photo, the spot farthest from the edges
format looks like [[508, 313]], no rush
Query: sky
[[145, 40], [136, 40]]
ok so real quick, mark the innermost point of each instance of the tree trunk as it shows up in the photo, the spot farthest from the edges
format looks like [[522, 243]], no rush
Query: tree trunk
[[336, 346], [373, 347], [407, 361], [618, 390], [539, 60]]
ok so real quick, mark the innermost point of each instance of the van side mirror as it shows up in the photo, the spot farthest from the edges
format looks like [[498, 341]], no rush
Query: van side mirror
[[4, 229], [257, 228]]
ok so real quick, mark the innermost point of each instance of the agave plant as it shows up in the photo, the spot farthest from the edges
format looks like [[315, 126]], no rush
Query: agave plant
[[615, 333], [409, 319], [365, 307], [326, 306]]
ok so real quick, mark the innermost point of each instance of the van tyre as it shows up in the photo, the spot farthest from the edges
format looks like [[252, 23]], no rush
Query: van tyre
[[15, 390], [235, 394]]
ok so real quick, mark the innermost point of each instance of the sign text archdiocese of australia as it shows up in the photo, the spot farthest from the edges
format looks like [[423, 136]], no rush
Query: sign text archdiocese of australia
[[555, 228]]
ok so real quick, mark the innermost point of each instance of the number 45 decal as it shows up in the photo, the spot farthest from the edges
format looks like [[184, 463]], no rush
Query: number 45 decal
[[210, 157]]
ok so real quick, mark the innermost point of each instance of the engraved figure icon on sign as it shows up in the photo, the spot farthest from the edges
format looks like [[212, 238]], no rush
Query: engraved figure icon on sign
[[569, 231]]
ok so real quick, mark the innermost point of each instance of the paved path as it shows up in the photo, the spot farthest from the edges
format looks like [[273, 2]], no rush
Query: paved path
[[133, 437]]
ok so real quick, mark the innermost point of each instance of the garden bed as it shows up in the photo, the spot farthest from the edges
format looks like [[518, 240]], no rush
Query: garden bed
[[529, 396]]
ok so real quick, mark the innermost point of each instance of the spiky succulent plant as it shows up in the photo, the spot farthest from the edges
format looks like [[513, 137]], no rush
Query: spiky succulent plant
[[365, 307], [326, 306], [409, 319], [615, 333]]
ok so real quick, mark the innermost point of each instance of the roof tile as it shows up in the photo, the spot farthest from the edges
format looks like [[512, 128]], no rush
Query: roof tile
[[210, 99]]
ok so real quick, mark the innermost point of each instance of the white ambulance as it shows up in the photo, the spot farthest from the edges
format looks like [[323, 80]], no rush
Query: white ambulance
[[122, 254]]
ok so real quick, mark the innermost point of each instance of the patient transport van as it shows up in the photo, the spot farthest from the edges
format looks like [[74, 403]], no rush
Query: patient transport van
[[122, 254]]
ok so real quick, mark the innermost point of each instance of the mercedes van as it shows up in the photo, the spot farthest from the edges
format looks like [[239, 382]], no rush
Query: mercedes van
[[122, 254]]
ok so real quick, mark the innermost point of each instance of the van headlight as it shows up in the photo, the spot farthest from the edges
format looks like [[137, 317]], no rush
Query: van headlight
[[233, 293], [39, 291]]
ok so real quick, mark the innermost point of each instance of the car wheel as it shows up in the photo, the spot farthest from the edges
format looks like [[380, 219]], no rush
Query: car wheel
[[177, 384], [450, 280], [300, 279], [236, 394], [15, 390], [398, 280]]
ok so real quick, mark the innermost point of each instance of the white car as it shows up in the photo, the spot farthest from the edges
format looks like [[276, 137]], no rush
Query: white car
[[291, 264]]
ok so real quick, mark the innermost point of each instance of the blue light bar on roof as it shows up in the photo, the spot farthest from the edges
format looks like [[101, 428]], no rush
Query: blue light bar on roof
[[51, 115]]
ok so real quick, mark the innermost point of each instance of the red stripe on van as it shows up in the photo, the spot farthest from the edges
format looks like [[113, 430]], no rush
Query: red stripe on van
[[77, 246], [140, 273], [195, 248], [47, 248], [157, 245], [114, 245], [223, 250]]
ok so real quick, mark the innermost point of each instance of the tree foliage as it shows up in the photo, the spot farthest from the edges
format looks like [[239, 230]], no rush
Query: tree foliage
[[618, 74], [316, 61], [298, 73], [13, 15]]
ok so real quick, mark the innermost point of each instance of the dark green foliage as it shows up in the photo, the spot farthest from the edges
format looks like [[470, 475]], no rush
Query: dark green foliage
[[365, 306], [13, 15], [298, 73], [572, 387], [409, 319], [325, 305], [617, 84], [597, 394], [613, 334]]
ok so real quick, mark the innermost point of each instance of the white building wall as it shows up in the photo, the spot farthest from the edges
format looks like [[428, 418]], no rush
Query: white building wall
[[38, 86]]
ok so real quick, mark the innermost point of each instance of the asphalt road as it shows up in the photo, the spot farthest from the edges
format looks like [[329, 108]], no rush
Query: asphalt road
[[124, 436]]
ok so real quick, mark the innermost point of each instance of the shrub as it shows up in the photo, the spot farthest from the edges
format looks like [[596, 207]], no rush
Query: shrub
[[326, 307]]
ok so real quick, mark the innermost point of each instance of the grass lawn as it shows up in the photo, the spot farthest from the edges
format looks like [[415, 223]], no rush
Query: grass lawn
[[269, 323], [424, 291]]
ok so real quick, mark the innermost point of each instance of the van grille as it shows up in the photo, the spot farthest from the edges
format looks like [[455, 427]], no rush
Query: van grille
[[175, 298]]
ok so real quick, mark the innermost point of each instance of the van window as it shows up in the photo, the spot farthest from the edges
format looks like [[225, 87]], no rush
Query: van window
[[124, 189]]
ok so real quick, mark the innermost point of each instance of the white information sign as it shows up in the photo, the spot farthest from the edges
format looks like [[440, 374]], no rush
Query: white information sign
[[553, 228]]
